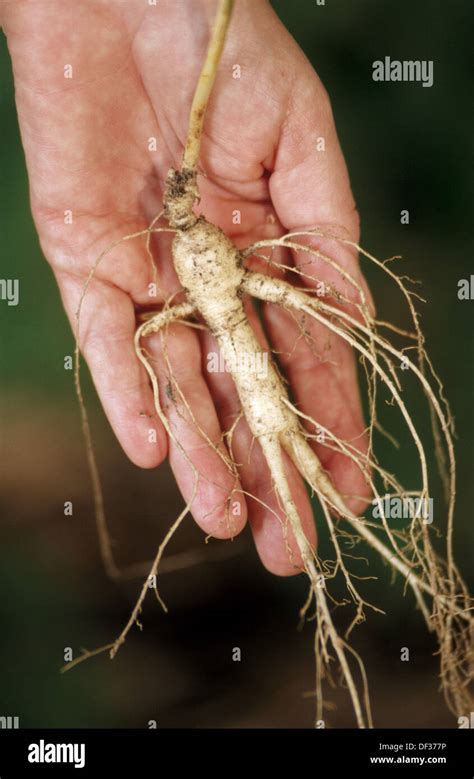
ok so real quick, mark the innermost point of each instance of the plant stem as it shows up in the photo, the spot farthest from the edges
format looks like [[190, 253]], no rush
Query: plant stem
[[205, 84]]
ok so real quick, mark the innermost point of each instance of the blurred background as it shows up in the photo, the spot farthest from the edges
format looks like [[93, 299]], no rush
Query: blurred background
[[407, 147]]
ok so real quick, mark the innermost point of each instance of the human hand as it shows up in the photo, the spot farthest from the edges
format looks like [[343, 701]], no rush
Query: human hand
[[88, 151]]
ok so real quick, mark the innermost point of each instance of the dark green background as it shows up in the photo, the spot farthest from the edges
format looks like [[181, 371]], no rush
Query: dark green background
[[407, 147]]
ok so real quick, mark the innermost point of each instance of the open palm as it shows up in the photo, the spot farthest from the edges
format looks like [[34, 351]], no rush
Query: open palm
[[103, 93]]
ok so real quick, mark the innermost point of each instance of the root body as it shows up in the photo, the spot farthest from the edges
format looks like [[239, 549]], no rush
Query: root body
[[211, 271]]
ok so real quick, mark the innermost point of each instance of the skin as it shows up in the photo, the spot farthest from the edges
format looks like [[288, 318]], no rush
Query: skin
[[86, 142]]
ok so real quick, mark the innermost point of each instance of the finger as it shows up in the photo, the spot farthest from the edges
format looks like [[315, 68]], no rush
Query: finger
[[271, 532], [107, 327], [274, 541], [310, 186], [322, 372], [197, 452]]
